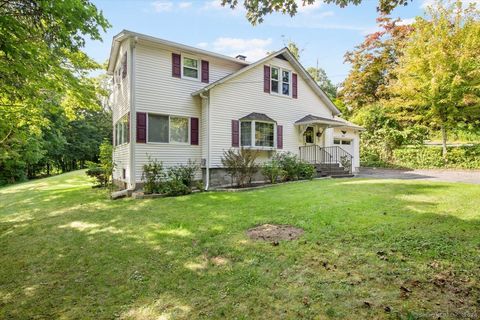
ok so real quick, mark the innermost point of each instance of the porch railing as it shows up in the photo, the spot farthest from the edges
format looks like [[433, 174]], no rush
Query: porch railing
[[328, 157]]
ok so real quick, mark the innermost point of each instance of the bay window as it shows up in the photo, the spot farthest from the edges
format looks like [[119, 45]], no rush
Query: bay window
[[257, 134], [280, 81], [165, 129]]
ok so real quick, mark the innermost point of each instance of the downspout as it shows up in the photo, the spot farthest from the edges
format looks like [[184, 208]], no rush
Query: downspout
[[133, 115], [207, 160]]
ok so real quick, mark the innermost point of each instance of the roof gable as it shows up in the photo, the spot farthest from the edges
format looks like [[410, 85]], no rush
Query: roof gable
[[283, 54]]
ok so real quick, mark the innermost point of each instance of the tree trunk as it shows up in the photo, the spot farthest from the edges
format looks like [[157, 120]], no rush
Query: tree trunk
[[444, 142]]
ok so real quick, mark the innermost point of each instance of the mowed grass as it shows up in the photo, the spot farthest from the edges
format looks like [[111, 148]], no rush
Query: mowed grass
[[372, 249]]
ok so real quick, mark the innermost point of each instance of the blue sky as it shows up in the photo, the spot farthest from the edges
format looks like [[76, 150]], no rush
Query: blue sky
[[323, 32]]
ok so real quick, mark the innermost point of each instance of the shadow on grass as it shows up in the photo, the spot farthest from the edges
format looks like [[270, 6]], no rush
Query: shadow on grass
[[83, 256]]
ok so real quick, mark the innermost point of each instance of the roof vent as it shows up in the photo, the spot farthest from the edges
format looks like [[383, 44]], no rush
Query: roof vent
[[241, 57]]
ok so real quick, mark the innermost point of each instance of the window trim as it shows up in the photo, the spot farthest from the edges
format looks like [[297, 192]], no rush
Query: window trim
[[189, 126], [199, 69], [280, 82], [252, 135]]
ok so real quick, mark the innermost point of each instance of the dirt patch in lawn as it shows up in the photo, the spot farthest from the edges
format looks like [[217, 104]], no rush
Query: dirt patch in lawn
[[274, 232]]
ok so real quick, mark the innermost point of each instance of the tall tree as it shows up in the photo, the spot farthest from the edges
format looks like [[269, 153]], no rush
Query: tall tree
[[321, 78], [372, 63], [258, 9], [438, 76]]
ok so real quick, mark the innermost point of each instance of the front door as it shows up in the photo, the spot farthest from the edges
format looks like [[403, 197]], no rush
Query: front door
[[309, 136]]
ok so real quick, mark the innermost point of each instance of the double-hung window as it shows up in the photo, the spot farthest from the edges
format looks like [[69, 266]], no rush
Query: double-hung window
[[257, 134], [121, 131], [190, 68], [280, 81], [165, 129]]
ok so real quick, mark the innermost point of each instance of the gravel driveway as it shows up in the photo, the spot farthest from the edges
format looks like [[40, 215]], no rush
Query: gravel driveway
[[466, 176]]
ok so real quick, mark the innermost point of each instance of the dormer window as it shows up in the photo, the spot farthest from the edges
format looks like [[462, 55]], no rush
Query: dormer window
[[280, 81], [190, 68]]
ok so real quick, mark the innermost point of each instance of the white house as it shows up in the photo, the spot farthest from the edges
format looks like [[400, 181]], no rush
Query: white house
[[176, 103]]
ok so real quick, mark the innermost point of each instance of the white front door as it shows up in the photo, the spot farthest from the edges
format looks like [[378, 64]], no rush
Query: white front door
[[309, 136]]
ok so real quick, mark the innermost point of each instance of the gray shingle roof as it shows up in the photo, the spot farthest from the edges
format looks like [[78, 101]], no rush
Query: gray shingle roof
[[258, 117]]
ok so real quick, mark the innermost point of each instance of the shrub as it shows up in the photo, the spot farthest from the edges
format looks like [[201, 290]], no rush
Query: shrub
[[99, 175], [184, 173], [431, 157], [106, 159], [153, 176], [272, 171], [306, 170], [289, 164], [240, 165], [175, 187]]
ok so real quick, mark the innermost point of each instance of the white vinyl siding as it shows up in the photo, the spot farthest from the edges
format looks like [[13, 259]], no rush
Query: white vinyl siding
[[244, 94], [120, 109], [157, 92]]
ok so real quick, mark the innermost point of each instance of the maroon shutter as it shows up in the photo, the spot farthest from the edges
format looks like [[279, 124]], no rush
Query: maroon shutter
[[266, 79], [205, 73], [128, 127], [176, 65], [235, 133], [294, 86], [279, 137], [194, 131], [141, 127]]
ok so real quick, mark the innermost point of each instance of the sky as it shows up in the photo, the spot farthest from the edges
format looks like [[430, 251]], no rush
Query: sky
[[323, 32]]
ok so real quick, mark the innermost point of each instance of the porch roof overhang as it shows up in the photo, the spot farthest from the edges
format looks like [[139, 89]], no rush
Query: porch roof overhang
[[330, 123]]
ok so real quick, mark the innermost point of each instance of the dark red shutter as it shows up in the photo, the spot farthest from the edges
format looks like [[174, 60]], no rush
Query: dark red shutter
[[266, 79], [176, 65], [235, 133], [194, 131], [294, 86], [279, 137], [128, 127], [141, 127], [205, 73]]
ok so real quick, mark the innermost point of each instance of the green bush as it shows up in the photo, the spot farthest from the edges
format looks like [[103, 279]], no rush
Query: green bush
[[289, 164], [306, 171], [467, 157], [184, 173], [294, 168], [272, 171], [175, 187], [153, 177], [98, 174]]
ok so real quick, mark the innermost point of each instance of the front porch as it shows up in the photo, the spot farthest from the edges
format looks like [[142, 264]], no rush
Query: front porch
[[329, 161]]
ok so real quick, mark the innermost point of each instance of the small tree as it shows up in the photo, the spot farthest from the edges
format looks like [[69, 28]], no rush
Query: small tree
[[106, 159], [240, 165]]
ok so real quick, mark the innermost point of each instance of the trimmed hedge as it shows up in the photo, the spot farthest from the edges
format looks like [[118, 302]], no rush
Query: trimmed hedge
[[423, 157], [467, 157]]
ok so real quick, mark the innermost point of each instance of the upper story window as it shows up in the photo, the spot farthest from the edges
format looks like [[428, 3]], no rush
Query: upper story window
[[190, 68], [162, 128], [280, 81], [257, 134]]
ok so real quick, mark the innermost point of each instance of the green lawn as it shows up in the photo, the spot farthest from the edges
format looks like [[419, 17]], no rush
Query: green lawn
[[410, 247]]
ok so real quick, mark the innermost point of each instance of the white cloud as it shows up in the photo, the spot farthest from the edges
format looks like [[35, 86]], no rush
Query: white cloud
[[254, 49], [162, 6], [307, 8], [184, 5], [406, 22]]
